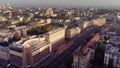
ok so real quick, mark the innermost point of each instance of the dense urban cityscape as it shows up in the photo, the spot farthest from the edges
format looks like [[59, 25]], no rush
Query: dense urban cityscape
[[59, 37]]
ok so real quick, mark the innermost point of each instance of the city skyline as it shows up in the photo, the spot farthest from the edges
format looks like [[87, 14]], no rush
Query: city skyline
[[59, 34], [63, 3]]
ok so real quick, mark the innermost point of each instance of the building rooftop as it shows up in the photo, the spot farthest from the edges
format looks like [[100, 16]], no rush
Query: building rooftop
[[33, 43], [112, 50], [4, 32], [21, 27], [115, 39], [4, 49]]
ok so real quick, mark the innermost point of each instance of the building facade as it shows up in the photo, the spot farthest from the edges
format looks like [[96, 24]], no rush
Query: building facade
[[82, 55], [112, 56], [99, 21], [29, 53], [55, 35], [71, 32]]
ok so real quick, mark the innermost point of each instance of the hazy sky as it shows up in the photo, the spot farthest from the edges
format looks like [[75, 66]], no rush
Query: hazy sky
[[64, 2]]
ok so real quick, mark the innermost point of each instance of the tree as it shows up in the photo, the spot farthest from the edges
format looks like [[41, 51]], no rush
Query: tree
[[100, 43], [99, 53], [48, 28], [1, 25], [40, 29]]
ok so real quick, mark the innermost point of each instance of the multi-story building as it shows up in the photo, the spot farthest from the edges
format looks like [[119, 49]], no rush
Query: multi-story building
[[85, 24], [82, 55], [49, 11], [81, 60], [55, 35], [42, 22], [112, 56], [20, 31], [99, 21], [5, 35], [4, 56], [114, 40], [28, 53], [71, 32], [4, 53], [12, 21], [118, 15]]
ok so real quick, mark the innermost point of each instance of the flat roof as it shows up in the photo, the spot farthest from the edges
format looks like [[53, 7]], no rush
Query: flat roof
[[4, 49], [115, 39], [21, 27], [4, 31], [34, 43]]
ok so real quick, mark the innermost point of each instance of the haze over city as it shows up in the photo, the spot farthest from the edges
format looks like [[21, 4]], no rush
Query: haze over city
[[59, 34], [63, 3]]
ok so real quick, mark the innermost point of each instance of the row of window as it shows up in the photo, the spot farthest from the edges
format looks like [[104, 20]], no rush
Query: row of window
[[41, 55], [15, 60]]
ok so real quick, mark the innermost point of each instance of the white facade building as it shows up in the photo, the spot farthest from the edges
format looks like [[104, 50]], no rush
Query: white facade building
[[71, 32], [99, 21], [55, 35]]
